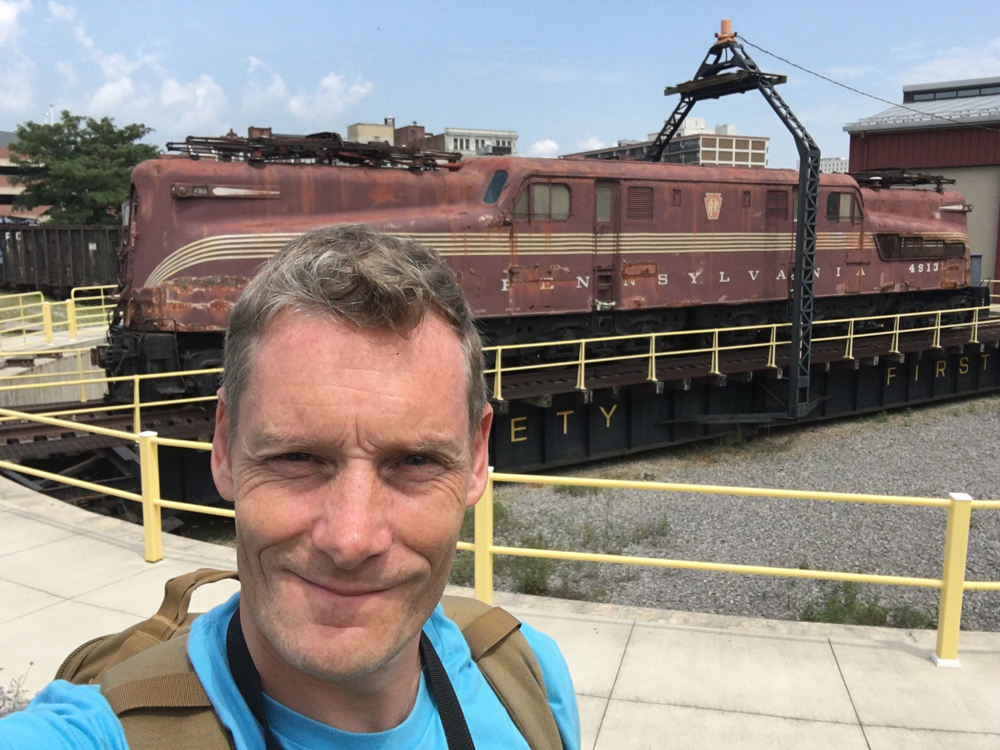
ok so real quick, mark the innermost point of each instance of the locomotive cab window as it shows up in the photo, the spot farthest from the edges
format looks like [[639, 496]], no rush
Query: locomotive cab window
[[841, 207], [543, 202], [496, 186]]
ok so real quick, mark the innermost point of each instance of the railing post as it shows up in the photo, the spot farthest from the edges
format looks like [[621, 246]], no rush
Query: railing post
[[715, 353], [651, 375], [47, 321], [849, 354], [71, 318], [483, 544], [581, 368], [975, 327], [937, 331], [79, 376], [895, 337], [149, 469], [497, 378], [772, 356], [956, 545], [136, 420]]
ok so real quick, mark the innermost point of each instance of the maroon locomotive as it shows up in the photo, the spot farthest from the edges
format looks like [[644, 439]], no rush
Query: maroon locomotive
[[546, 249]]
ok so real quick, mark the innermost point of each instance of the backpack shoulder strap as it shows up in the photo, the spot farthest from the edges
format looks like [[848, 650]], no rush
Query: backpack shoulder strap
[[161, 703], [509, 665]]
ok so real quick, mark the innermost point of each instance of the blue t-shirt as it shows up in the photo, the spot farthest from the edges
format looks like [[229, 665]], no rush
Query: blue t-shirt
[[78, 716]]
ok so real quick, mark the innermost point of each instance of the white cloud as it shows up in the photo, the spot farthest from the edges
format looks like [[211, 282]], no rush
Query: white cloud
[[955, 64], [590, 143], [62, 12], [332, 96], [16, 94], [16, 70], [197, 107], [68, 71], [10, 29], [547, 148], [266, 91]]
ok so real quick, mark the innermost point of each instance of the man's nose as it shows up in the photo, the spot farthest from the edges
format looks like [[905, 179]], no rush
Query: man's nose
[[353, 524]]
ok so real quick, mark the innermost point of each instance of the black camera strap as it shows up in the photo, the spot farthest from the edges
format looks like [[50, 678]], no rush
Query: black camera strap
[[247, 679]]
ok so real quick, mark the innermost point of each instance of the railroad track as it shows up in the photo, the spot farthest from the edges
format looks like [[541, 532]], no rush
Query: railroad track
[[24, 439]]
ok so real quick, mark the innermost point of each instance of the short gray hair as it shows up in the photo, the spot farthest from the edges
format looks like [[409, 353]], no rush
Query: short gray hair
[[352, 273]]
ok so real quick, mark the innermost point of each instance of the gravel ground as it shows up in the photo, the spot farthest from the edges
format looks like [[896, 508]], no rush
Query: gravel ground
[[930, 452]]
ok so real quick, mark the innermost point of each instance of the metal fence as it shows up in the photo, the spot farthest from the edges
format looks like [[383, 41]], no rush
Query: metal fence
[[28, 319], [952, 584]]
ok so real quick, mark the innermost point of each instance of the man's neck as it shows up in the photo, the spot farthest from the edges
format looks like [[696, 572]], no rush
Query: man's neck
[[373, 703]]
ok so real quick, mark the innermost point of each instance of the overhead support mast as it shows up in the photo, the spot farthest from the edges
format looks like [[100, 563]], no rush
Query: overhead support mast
[[728, 69]]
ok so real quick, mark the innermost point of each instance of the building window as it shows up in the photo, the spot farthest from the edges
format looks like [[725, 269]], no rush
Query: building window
[[777, 205], [640, 203], [543, 202]]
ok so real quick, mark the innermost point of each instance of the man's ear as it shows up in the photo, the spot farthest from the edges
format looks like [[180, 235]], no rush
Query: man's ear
[[480, 458], [222, 470]]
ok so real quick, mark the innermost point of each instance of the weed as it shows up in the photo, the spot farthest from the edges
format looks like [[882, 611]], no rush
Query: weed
[[652, 530], [574, 490], [845, 605], [907, 412], [463, 570], [910, 618], [973, 408], [531, 574], [13, 697], [882, 417]]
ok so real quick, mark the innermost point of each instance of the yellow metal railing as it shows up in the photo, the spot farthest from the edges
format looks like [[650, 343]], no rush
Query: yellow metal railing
[[952, 583], [29, 317], [94, 378], [655, 348]]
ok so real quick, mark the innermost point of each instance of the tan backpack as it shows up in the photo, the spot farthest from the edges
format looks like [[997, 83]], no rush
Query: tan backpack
[[161, 703]]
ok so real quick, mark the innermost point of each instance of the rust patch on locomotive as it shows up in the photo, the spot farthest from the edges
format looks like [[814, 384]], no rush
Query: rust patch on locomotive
[[187, 304]]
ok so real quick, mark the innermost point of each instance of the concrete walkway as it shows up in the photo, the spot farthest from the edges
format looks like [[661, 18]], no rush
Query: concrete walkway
[[644, 678]]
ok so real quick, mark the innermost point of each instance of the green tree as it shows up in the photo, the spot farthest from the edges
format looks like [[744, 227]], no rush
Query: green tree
[[80, 166]]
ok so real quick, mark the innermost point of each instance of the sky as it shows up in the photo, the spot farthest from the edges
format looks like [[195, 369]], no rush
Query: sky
[[567, 76]]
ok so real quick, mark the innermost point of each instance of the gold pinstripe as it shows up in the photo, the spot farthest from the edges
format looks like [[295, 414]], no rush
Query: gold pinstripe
[[263, 246]]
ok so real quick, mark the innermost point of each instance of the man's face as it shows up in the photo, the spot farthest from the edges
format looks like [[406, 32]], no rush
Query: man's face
[[351, 471]]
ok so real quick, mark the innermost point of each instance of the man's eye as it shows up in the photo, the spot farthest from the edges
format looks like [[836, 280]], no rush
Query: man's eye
[[295, 457], [416, 460]]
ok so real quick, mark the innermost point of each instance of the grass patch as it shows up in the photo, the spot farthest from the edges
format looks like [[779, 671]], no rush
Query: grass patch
[[882, 417], [845, 605]]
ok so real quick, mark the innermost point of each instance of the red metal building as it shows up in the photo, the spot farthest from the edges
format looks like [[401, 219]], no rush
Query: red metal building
[[951, 128]]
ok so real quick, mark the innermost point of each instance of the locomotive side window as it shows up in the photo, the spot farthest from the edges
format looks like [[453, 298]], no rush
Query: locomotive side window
[[896, 247], [842, 207], [677, 197], [496, 186], [602, 204], [543, 202], [777, 205], [640, 203]]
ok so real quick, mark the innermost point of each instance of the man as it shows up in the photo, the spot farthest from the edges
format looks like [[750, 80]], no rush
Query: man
[[352, 435]]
